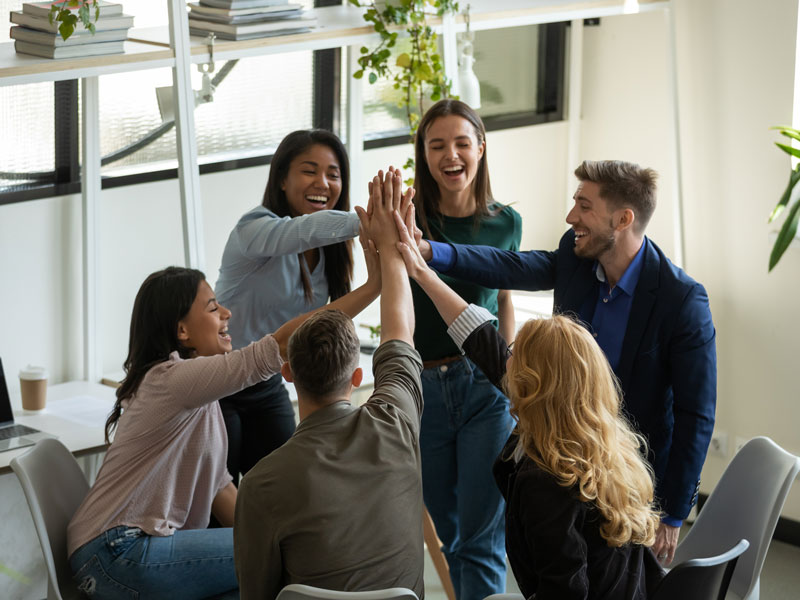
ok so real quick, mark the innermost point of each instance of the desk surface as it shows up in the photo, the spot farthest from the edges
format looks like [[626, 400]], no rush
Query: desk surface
[[76, 413]]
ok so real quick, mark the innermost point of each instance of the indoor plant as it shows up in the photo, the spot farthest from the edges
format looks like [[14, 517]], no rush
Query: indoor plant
[[789, 228], [68, 12], [417, 72]]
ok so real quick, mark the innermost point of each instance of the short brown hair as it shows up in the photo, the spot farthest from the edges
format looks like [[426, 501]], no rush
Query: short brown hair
[[623, 185], [323, 353]]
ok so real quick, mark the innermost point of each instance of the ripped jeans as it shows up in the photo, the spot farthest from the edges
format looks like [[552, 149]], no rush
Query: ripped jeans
[[125, 562]]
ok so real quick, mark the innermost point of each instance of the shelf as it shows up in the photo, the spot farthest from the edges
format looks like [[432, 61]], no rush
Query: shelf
[[17, 69]]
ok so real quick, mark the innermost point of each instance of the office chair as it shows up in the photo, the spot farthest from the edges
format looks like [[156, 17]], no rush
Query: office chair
[[54, 487], [745, 504], [297, 591], [700, 578]]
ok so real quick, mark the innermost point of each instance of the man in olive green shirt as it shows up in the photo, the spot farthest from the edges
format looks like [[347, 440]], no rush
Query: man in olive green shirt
[[339, 505]]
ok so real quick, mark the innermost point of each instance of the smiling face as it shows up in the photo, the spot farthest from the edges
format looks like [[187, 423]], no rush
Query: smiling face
[[592, 220], [205, 326], [313, 181], [453, 153]]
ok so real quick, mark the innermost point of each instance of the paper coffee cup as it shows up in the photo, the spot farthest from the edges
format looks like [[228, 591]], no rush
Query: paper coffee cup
[[33, 387]]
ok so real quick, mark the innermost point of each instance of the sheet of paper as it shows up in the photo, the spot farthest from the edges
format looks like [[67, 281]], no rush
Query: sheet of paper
[[83, 410]]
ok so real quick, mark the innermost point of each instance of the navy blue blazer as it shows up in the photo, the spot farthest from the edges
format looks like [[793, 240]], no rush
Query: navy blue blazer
[[668, 365]]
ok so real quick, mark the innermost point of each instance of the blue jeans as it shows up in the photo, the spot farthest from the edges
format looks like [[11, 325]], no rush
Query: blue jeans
[[125, 562], [464, 426]]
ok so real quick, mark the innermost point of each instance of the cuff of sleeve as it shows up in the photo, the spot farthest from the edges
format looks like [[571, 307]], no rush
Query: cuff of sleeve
[[444, 256], [671, 521], [355, 222], [468, 321]]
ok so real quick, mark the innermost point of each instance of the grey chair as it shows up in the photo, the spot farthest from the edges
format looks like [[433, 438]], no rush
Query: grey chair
[[745, 504], [54, 487], [297, 591], [700, 578]]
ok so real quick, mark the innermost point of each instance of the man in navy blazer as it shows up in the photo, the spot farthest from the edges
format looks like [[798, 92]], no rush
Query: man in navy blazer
[[650, 318]]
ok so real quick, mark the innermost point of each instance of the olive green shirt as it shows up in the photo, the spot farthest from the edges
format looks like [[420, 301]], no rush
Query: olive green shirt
[[502, 230], [339, 505]]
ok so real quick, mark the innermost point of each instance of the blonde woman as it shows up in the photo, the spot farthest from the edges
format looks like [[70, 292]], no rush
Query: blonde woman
[[579, 495]]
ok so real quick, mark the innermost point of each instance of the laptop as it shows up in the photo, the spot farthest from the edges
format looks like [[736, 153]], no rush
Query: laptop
[[12, 435]]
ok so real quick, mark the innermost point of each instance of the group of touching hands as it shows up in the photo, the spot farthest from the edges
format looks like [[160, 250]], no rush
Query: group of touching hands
[[388, 225]]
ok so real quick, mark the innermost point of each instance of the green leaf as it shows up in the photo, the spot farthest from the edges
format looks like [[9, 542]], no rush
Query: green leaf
[[66, 29], [373, 78], [364, 49], [794, 177], [403, 61], [358, 74], [789, 150], [785, 236]]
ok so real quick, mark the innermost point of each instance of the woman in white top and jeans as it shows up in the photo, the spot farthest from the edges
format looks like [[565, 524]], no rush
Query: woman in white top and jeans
[[283, 258], [141, 530]]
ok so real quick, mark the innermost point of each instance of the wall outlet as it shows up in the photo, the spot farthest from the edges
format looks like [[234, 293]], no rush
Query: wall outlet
[[740, 441], [719, 444]]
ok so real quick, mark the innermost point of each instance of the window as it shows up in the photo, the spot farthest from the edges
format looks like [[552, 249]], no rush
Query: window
[[247, 118]]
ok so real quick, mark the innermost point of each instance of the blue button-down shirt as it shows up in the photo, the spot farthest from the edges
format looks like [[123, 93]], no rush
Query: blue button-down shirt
[[612, 307]]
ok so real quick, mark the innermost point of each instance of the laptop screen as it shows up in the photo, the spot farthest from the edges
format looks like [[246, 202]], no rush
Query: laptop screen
[[6, 416]]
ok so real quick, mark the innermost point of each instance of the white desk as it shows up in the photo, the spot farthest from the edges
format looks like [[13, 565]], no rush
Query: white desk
[[76, 413]]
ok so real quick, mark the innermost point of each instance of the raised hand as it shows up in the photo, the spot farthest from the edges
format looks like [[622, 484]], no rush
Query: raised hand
[[408, 245]]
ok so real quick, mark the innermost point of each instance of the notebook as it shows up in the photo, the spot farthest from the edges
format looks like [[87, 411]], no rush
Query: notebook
[[12, 435]]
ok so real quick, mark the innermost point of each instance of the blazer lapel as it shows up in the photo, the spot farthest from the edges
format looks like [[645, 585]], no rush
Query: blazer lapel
[[642, 306], [581, 284]]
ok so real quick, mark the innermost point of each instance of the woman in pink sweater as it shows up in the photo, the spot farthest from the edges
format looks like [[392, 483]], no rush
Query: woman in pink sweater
[[142, 529]]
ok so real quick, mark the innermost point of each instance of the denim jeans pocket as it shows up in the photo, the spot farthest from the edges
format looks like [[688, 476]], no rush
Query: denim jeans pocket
[[119, 539], [93, 581]]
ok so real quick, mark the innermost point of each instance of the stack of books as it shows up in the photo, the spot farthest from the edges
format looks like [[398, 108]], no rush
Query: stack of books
[[247, 19], [35, 34]]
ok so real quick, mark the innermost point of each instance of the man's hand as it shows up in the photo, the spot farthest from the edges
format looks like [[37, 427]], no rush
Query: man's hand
[[371, 259], [666, 542]]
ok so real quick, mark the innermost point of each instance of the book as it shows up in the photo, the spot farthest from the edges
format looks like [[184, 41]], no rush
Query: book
[[69, 51], [43, 24], [257, 18], [43, 38], [249, 36], [42, 9], [202, 9], [239, 29], [242, 3]]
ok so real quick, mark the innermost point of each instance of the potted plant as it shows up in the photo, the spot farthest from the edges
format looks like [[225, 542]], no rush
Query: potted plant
[[789, 228], [69, 12], [417, 70]]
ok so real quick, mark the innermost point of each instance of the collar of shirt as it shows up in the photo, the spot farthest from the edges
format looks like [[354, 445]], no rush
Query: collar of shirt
[[630, 278]]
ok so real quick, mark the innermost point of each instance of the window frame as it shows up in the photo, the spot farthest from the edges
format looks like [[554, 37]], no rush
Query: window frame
[[327, 74]]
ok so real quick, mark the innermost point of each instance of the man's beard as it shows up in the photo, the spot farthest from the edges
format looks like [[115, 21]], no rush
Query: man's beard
[[600, 244]]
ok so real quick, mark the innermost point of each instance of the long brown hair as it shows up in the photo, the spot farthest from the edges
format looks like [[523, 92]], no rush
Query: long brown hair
[[339, 256], [427, 197], [567, 403]]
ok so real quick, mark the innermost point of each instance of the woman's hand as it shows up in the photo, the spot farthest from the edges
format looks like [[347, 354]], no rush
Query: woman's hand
[[408, 246], [371, 259], [385, 198]]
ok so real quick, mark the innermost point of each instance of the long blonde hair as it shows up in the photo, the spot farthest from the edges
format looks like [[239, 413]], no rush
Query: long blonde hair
[[567, 404]]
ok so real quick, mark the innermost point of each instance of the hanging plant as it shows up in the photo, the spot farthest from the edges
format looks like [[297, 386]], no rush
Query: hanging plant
[[69, 12], [417, 73], [789, 228]]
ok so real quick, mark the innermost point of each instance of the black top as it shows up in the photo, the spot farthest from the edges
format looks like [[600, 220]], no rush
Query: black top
[[553, 539]]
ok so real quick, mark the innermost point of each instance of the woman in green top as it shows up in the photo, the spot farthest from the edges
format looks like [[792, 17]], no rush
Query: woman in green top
[[466, 420]]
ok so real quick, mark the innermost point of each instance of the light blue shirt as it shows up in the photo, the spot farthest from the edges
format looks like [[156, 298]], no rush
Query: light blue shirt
[[259, 279]]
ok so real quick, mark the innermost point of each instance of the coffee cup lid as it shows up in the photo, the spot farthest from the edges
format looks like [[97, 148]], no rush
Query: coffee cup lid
[[33, 373]]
